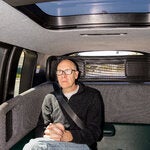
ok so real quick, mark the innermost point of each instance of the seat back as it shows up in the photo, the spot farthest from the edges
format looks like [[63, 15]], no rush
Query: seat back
[[123, 103], [20, 115]]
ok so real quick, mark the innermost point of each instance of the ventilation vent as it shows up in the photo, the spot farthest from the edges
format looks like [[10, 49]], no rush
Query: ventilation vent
[[102, 34]]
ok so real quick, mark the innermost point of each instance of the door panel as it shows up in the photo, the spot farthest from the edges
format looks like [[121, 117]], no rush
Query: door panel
[[127, 137]]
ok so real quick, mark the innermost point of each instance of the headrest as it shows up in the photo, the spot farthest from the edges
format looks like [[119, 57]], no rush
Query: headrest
[[51, 67]]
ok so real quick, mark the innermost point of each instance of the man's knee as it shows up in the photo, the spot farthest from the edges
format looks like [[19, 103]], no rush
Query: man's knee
[[35, 144], [46, 144]]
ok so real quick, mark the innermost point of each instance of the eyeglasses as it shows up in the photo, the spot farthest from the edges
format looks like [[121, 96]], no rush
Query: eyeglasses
[[66, 72]]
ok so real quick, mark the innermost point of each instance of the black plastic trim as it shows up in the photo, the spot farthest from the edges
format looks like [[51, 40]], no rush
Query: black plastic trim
[[136, 67], [84, 21]]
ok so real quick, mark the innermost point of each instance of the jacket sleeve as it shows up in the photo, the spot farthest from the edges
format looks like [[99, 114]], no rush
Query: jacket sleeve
[[44, 118], [52, 112]]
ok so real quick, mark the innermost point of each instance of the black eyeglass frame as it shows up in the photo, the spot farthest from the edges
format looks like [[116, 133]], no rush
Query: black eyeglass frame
[[60, 72]]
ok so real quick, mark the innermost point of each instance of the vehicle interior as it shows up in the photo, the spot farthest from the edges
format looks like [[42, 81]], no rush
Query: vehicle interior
[[109, 40]]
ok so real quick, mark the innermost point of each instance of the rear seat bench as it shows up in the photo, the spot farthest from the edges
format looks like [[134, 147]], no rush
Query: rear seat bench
[[119, 102], [124, 103]]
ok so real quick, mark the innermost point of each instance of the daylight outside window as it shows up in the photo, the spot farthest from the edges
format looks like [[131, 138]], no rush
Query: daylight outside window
[[84, 7], [18, 75], [106, 69]]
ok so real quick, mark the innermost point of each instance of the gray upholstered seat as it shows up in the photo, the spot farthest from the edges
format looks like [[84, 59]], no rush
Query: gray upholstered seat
[[23, 110], [124, 103]]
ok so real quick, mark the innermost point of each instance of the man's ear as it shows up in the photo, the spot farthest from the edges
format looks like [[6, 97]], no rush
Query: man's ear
[[77, 74]]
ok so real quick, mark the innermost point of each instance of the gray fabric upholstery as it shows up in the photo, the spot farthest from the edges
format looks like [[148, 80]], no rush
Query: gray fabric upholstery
[[3, 109], [25, 108], [124, 103]]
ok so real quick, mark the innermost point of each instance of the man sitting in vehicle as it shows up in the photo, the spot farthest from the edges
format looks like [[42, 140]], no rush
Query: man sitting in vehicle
[[61, 131]]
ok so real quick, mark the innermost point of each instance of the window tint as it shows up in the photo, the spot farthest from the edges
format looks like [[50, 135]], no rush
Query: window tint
[[113, 65], [18, 75], [79, 7], [105, 70]]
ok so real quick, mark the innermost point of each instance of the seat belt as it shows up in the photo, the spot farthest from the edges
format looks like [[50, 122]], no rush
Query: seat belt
[[67, 108]]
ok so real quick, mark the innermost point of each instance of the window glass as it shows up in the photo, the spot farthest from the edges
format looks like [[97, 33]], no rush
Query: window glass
[[18, 75], [103, 70], [79, 7], [2, 51], [109, 65], [107, 53]]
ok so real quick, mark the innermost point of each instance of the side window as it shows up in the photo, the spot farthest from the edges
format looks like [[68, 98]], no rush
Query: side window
[[4, 55], [18, 74], [17, 69], [40, 72], [113, 66], [25, 71]]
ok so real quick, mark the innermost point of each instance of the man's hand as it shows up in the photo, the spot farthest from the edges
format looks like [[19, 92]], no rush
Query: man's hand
[[57, 132], [67, 136], [54, 131]]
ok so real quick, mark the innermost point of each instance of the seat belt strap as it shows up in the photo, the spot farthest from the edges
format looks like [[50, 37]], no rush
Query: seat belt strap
[[67, 108]]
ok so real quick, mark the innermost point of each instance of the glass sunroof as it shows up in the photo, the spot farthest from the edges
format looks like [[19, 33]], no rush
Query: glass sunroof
[[80, 7]]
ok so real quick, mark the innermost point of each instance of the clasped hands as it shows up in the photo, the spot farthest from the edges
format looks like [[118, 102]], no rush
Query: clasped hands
[[57, 132]]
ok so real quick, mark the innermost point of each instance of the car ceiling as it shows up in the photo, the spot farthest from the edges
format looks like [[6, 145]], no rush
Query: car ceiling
[[18, 29]]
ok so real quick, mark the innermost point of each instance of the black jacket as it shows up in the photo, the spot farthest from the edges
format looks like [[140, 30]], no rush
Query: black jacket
[[87, 103]]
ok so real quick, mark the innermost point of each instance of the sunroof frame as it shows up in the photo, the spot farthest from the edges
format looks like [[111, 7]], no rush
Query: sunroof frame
[[87, 20]]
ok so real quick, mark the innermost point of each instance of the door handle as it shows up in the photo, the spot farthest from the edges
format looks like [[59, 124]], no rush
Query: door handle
[[109, 129]]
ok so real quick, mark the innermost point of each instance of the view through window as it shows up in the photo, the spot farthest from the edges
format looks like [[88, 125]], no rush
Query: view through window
[[18, 75]]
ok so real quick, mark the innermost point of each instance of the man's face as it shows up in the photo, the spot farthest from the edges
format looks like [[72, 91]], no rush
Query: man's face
[[67, 81]]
